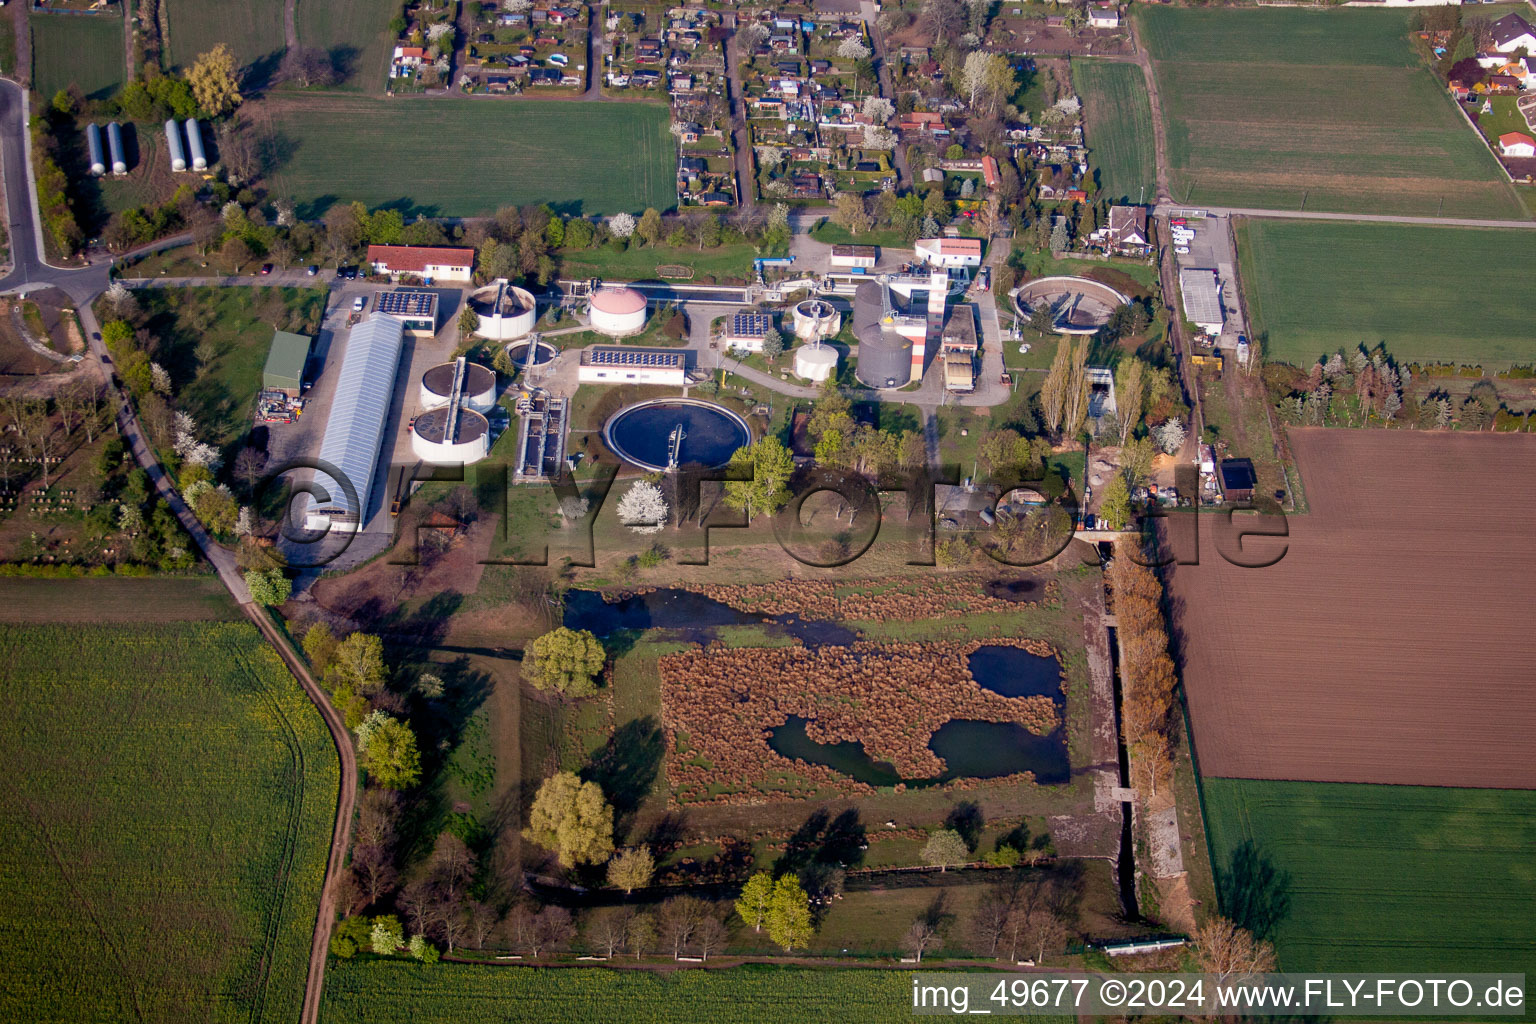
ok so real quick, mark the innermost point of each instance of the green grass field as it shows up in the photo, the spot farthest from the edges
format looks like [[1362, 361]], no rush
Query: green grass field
[[1432, 294], [1119, 128], [1386, 878], [165, 819], [80, 50], [385, 992], [356, 35], [253, 30], [465, 158], [1321, 110]]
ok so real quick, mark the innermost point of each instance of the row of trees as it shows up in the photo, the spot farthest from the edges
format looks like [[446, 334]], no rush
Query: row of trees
[[1148, 670]]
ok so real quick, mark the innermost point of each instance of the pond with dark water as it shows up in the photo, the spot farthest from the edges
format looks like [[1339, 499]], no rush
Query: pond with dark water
[[690, 613], [1015, 672]]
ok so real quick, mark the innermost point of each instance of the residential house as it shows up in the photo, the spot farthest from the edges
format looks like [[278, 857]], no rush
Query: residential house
[[805, 186], [1517, 144], [1104, 15], [1511, 33], [1126, 233], [835, 10]]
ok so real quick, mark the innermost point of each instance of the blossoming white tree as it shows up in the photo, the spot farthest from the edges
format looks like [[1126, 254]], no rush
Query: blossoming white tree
[[643, 508], [622, 225], [853, 48]]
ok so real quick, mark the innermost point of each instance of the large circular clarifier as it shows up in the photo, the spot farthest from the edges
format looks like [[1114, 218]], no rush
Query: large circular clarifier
[[641, 434]]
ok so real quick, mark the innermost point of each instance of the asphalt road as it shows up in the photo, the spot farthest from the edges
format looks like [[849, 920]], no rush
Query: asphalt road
[[1372, 218]]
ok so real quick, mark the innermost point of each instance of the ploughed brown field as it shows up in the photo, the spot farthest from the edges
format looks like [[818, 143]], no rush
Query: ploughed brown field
[[1395, 641]]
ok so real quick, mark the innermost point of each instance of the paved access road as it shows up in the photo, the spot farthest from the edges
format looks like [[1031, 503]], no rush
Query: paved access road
[[1371, 218]]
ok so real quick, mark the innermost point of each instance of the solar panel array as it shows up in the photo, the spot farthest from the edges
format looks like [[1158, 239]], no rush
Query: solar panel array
[[632, 357], [408, 303], [751, 325]]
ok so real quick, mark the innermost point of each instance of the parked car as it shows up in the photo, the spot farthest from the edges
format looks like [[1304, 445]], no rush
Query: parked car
[[1178, 222], [1182, 250], [359, 304], [266, 268], [347, 273], [313, 270]]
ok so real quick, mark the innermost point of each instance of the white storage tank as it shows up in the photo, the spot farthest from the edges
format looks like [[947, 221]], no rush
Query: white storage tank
[[449, 436], [478, 391], [173, 142], [98, 154], [617, 311], [115, 145], [815, 363], [195, 145], [815, 318], [505, 311]]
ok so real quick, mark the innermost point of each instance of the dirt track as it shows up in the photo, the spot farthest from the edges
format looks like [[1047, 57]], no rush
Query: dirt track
[[1393, 643]]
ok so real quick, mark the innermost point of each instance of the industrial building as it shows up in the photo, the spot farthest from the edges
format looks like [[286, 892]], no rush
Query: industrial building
[[365, 385], [415, 308], [949, 252], [613, 364], [885, 353], [476, 386], [957, 350], [815, 318], [452, 432], [849, 256], [617, 311], [285, 363], [1201, 290], [744, 332], [435, 263], [505, 311]]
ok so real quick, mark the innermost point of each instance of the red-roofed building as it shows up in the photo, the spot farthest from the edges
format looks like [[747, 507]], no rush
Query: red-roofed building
[[989, 173], [950, 252], [440, 263], [1517, 144]]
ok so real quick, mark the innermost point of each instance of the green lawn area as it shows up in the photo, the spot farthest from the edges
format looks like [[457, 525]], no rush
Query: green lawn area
[[375, 992], [829, 233], [1118, 120], [238, 323], [253, 30], [1432, 294], [581, 158], [1381, 878], [639, 262], [1322, 110], [166, 824], [7, 46], [1505, 117], [79, 50], [356, 35]]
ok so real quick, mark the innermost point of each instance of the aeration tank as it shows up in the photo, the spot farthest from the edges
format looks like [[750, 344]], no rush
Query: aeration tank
[[93, 143], [195, 145], [115, 145], [173, 140]]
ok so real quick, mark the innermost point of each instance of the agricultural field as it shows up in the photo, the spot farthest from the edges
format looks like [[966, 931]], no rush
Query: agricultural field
[[1431, 294], [117, 599], [355, 33], [166, 824], [581, 158], [1379, 878], [375, 992], [1118, 128], [1292, 109], [1390, 643], [79, 50], [253, 30]]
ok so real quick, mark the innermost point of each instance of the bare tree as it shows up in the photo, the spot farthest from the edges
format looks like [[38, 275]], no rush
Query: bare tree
[[710, 935], [249, 465], [36, 432], [376, 817], [452, 864], [482, 920], [607, 929], [679, 921], [921, 937], [990, 922], [1041, 928], [552, 928], [1223, 949], [452, 920], [417, 901], [375, 872]]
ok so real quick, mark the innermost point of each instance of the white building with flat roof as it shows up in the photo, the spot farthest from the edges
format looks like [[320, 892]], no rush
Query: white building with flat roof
[[949, 252], [622, 364], [1201, 290]]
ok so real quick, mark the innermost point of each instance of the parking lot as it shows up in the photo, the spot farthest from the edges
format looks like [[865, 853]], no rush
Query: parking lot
[[1212, 248]]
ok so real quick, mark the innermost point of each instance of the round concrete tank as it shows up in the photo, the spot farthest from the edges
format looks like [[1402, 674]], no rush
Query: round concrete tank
[[505, 311], [173, 143], [478, 392], [815, 318], [885, 357], [115, 146], [471, 440], [195, 145], [617, 311], [98, 154], [815, 363]]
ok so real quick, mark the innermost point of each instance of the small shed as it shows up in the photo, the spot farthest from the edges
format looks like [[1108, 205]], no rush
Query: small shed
[[1237, 479], [285, 363]]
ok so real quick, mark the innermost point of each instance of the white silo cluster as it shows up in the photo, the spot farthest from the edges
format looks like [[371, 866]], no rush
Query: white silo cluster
[[453, 429], [192, 154], [815, 318]]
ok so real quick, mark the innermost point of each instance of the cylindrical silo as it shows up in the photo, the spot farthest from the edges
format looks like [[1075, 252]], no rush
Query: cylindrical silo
[[115, 145], [173, 140], [93, 143], [195, 145], [885, 357]]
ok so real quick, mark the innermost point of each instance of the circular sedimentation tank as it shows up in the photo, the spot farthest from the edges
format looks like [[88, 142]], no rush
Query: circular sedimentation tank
[[1080, 305], [518, 353], [478, 392], [505, 311], [640, 434]]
